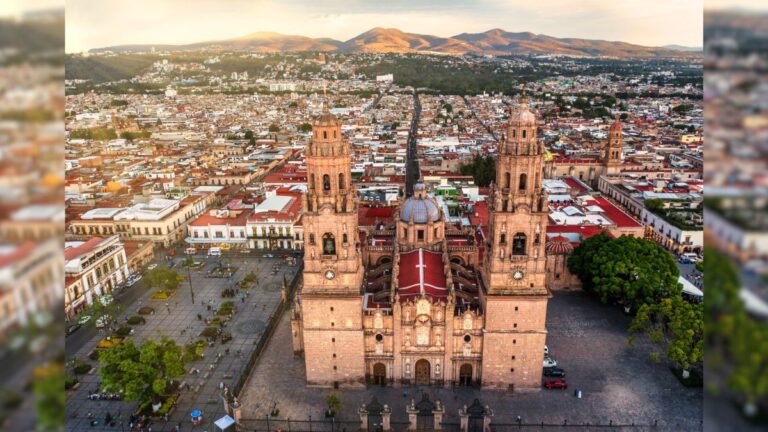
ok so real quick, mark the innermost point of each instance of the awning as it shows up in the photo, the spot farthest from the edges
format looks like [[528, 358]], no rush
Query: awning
[[224, 422], [690, 288], [193, 240]]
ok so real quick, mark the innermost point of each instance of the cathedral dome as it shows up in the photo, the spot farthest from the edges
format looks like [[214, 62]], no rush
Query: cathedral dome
[[522, 117], [420, 207], [559, 245], [616, 126], [326, 119]]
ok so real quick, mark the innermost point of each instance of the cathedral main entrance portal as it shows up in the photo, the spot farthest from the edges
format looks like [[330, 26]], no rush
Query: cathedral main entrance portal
[[379, 374], [422, 372], [465, 374]]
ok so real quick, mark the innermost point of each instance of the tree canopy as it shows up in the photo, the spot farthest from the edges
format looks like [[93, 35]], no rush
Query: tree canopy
[[143, 372], [163, 278], [630, 270], [676, 324], [482, 169]]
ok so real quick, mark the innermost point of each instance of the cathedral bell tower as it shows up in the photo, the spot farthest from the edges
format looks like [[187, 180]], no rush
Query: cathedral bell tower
[[514, 295], [612, 156], [331, 300]]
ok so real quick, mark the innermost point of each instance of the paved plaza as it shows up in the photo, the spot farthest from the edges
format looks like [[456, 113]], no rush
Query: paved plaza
[[620, 384], [254, 309]]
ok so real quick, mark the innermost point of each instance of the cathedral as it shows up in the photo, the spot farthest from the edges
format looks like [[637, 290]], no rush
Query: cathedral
[[423, 301]]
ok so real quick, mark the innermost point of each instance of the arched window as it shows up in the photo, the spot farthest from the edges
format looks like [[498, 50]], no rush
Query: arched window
[[513, 133], [341, 181], [518, 244], [523, 180], [312, 181], [503, 239], [344, 238], [329, 244], [523, 133], [326, 182], [334, 133], [506, 180], [325, 134], [311, 239]]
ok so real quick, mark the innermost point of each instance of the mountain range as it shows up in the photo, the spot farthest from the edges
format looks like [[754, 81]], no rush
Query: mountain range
[[390, 40]]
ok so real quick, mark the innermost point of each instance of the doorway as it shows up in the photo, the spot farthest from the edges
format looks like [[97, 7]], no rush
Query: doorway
[[422, 372]]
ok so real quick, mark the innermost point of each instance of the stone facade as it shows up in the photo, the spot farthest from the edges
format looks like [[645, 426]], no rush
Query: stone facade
[[413, 302]]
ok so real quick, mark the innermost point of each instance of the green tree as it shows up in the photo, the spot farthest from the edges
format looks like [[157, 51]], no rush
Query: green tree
[[144, 372], [305, 127], [748, 348], [274, 128], [629, 270], [101, 306], [49, 399], [334, 404], [248, 134], [163, 278], [677, 325], [482, 169]]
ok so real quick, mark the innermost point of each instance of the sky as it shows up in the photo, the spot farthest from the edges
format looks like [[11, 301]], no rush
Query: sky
[[101, 23]]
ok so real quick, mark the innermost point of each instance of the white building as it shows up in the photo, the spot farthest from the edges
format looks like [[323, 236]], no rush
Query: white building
[[92, 268]]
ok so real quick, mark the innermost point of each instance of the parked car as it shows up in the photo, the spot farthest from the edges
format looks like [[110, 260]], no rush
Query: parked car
[[685, 260], [214, 251], [83, 320], [555, 383], [103, 321], [269, 255], [73, 328], [190, 251], [106, 299], [553, 371], [152, 266], [133, 279], [245, 251], [548, 362]]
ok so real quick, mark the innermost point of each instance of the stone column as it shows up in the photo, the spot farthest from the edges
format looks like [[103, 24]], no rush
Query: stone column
[[412, 414], [463, 419], [363, 413], [487, 419], [236, 411], [385, 414], [438, 413]]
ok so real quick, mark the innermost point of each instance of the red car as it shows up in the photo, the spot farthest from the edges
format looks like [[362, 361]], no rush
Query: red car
[[556, 383]]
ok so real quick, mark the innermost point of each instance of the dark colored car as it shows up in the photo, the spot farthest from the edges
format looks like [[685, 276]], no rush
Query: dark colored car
[[556, 383], [555, 372], [73, 328]]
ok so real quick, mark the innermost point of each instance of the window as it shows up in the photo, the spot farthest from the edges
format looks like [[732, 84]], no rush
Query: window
[[514, 341], [334, 355], [405, 232], [341, 181], [467, 338], [518, 244], [331, 308], [524, 133], [329, 244], [326, 182], [522, 183], [334, 133], [420, 234], [379, 337], [506, 180], [503, 239], [333, 339], [312, 181], [333, 324], [325, 134], [311, 239], [513, 357], [344, 238], [516, 308]]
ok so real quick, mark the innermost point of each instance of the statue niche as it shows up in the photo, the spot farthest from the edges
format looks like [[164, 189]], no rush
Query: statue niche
[[329, 244]]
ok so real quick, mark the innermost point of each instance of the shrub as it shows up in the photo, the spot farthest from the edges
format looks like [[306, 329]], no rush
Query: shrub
[[146, 310], [123, 331], [210, 332], [11, 399], [83, 368], [134, 320], [109, 342], [229, 292], [167, 405], [69, 382], [94, 355], [161, 295]]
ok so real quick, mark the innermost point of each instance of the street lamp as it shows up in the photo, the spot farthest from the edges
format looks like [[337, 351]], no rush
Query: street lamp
[[189, 280]]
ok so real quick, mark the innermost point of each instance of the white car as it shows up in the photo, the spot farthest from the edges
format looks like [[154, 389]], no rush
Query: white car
[[103, 321], [106, 299], [83, 320], [133, 279], [548, 362], [152, 266]]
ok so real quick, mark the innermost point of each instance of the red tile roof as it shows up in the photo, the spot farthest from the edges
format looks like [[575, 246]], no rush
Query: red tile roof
[[422, 272], [74, 252], [613, 213]]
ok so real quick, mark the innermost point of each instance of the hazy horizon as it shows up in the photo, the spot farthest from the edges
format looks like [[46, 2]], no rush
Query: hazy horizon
[[97, 24]]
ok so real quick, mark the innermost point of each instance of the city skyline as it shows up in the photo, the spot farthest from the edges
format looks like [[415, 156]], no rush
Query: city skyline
[[100, 24]]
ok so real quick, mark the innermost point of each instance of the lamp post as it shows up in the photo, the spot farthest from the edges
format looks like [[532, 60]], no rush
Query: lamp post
[[189, 280]]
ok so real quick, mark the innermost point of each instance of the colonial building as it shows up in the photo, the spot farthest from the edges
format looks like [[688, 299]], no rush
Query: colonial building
[[424, 301]]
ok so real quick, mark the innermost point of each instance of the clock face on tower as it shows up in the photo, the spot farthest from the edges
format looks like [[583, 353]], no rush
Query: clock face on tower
[[329, 274], [518, 275]]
